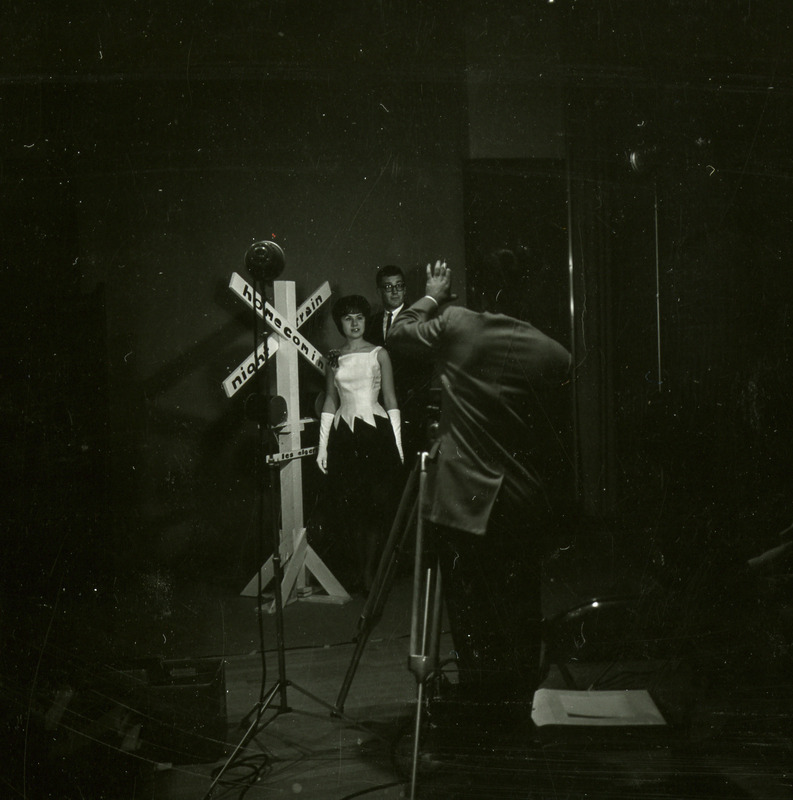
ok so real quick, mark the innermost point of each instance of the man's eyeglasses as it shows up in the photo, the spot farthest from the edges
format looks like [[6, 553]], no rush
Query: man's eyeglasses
[[393, 287]]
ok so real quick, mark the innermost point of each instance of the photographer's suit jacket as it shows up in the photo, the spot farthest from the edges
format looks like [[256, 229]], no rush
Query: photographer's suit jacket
[[496, 373]]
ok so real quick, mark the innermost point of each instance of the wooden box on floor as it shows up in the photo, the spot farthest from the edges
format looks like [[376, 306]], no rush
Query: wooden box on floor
[[183, 703]]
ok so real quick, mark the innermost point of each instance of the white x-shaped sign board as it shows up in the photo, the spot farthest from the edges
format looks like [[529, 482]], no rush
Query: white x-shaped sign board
[[297, 554], [284, 329]]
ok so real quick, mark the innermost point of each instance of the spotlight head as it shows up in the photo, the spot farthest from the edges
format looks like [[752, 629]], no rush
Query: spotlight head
[[265, 260]]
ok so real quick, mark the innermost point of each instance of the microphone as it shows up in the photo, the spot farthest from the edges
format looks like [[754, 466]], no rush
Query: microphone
[[265, 260]]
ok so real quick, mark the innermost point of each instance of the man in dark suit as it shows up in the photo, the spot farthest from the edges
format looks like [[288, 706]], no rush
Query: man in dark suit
[[391, 287], [412, 376], [486, 500]]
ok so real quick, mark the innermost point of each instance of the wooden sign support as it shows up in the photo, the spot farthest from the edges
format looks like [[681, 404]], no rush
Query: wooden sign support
[[299, 559]]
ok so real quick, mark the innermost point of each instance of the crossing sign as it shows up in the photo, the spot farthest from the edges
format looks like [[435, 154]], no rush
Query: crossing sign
[[286, 343]]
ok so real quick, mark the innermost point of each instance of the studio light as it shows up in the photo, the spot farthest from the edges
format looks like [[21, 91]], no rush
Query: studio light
[[265, 260]]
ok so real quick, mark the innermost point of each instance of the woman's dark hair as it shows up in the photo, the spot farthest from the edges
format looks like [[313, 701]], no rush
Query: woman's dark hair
[[351, 304]]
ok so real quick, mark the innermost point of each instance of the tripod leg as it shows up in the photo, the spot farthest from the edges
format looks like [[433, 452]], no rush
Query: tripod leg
[[372, 610], [404, 512], [252, 729], [385, 571], [366, 624], [347, 682], [414, 769], [423, 660], [425, 664]]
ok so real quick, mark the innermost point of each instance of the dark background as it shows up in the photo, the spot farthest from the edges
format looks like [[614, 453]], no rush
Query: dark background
[[146, 145]]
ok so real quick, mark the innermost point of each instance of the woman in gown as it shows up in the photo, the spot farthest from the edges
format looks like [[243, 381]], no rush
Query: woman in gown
[[360, 446]]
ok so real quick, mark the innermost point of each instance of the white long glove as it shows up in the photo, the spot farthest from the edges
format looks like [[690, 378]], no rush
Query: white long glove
[[325, 421], [395, 415]]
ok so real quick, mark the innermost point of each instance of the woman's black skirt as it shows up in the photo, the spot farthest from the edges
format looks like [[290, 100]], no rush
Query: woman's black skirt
[[364, 469]]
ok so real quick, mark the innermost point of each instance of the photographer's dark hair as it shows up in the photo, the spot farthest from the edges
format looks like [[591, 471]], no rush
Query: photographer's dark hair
[[350, 304], [501, 281], [503, 268]]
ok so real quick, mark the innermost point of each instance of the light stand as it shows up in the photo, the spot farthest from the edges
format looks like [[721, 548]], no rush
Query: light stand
[[265, 261]]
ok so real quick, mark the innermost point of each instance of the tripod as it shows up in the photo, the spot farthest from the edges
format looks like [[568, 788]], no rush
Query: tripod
[[425, 626]]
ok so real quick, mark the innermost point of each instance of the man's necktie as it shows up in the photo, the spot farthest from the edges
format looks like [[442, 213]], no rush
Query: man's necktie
[[388, 323]]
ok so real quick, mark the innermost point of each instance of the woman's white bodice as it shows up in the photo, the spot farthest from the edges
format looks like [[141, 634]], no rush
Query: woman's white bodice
[[357, 380]]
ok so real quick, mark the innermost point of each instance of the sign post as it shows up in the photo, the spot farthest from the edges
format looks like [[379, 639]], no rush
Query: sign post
[[286, 343]]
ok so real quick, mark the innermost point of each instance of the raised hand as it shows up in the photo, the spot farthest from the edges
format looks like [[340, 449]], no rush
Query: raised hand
[[439, 283]]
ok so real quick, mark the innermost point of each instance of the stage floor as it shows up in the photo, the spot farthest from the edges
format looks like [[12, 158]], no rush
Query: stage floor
[[74, 733]]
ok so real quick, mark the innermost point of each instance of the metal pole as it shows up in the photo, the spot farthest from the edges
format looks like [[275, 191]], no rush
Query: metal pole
[[657, 284], [573, 355]]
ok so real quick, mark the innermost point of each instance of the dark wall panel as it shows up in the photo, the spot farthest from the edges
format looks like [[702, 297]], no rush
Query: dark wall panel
[[154, 144], [690, 237], [53, 370], [164, 185]]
